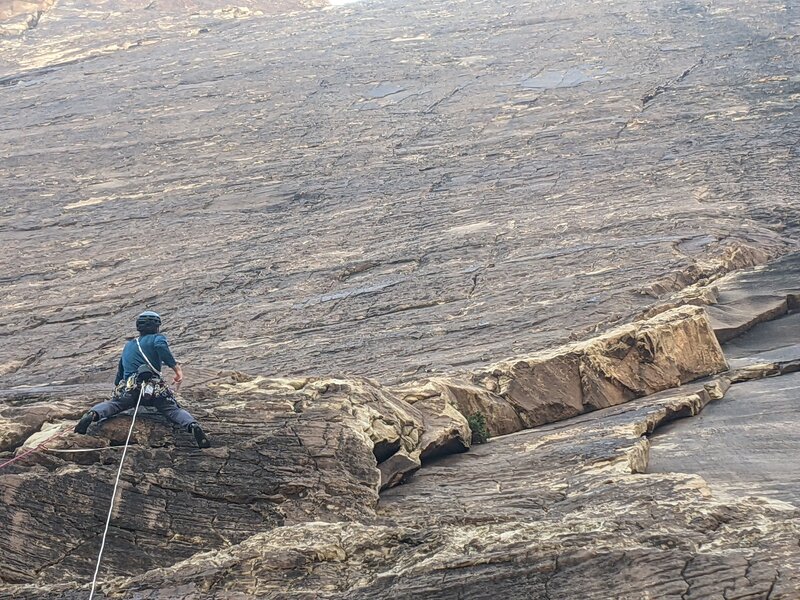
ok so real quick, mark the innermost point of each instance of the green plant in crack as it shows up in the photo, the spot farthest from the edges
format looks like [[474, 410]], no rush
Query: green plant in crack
[[477, 423]]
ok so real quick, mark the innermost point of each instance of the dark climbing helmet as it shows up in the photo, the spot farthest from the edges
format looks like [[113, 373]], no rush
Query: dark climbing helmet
[[148, 322]]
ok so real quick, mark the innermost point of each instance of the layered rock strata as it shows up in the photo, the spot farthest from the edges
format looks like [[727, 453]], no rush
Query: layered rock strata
[[394, 190], [628, 362], [314, 443], [560, 512], [287, 503]]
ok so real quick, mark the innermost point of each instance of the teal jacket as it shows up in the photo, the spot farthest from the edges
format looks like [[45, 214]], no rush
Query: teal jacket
[[155, 347]]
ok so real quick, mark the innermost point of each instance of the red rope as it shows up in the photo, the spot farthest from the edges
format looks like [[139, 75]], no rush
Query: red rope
[[36, 449]]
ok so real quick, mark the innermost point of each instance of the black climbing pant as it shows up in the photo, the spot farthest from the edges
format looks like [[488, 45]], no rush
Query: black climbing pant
[[162, 400]]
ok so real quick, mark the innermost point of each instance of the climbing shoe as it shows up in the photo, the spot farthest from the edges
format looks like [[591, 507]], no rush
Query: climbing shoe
[[200, 436], [85, 421]]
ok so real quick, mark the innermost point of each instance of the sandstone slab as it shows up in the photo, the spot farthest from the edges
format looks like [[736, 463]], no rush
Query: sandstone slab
[[628, 362], [744, 444], [408, 203], [546, 513]]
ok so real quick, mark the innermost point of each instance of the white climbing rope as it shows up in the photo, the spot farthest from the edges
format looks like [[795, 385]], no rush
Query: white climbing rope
[[74, 450], [114, 493]]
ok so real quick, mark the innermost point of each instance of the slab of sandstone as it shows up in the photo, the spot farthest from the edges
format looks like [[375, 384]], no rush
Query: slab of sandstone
[[293, 450], [561, 512], [364, 216], [746, 443], [741, 300], [287, 503], [627, 362], [284, 451]]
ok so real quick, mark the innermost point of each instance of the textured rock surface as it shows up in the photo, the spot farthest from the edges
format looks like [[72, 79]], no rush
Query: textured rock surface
[[409, 192], [747, 299], [563, 511], [18, 16], [744, 445], [628, 362], [286, 504], [273, 463], [286, 451], [747, 443], [392, 190]]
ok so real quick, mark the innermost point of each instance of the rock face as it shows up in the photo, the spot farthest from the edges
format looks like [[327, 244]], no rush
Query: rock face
[[397, 193], [285, 452], [628, 362], [741, 446], [19, 16], [407, 193], [196, 499], [286, 504], [290, 451], [744, 444]]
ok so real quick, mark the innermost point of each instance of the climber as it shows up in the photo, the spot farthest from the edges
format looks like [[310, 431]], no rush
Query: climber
[[140, 367]]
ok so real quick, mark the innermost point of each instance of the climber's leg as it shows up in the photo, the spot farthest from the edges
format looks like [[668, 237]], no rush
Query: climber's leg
[[119, 401], [166, 404]]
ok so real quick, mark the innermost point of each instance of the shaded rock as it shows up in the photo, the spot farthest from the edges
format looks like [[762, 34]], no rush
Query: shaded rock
[[738, 302], [398, 467], [541, 389], [742, 445], [752, 297], [469, 399], [446, 429], [770, 342], [731, 318], [628, 362]]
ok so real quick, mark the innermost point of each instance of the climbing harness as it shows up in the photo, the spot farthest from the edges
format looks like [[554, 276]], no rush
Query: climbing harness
[[148, 388], [114, 493]]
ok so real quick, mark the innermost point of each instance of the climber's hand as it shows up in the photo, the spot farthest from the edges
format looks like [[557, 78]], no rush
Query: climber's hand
[[178, 379]]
